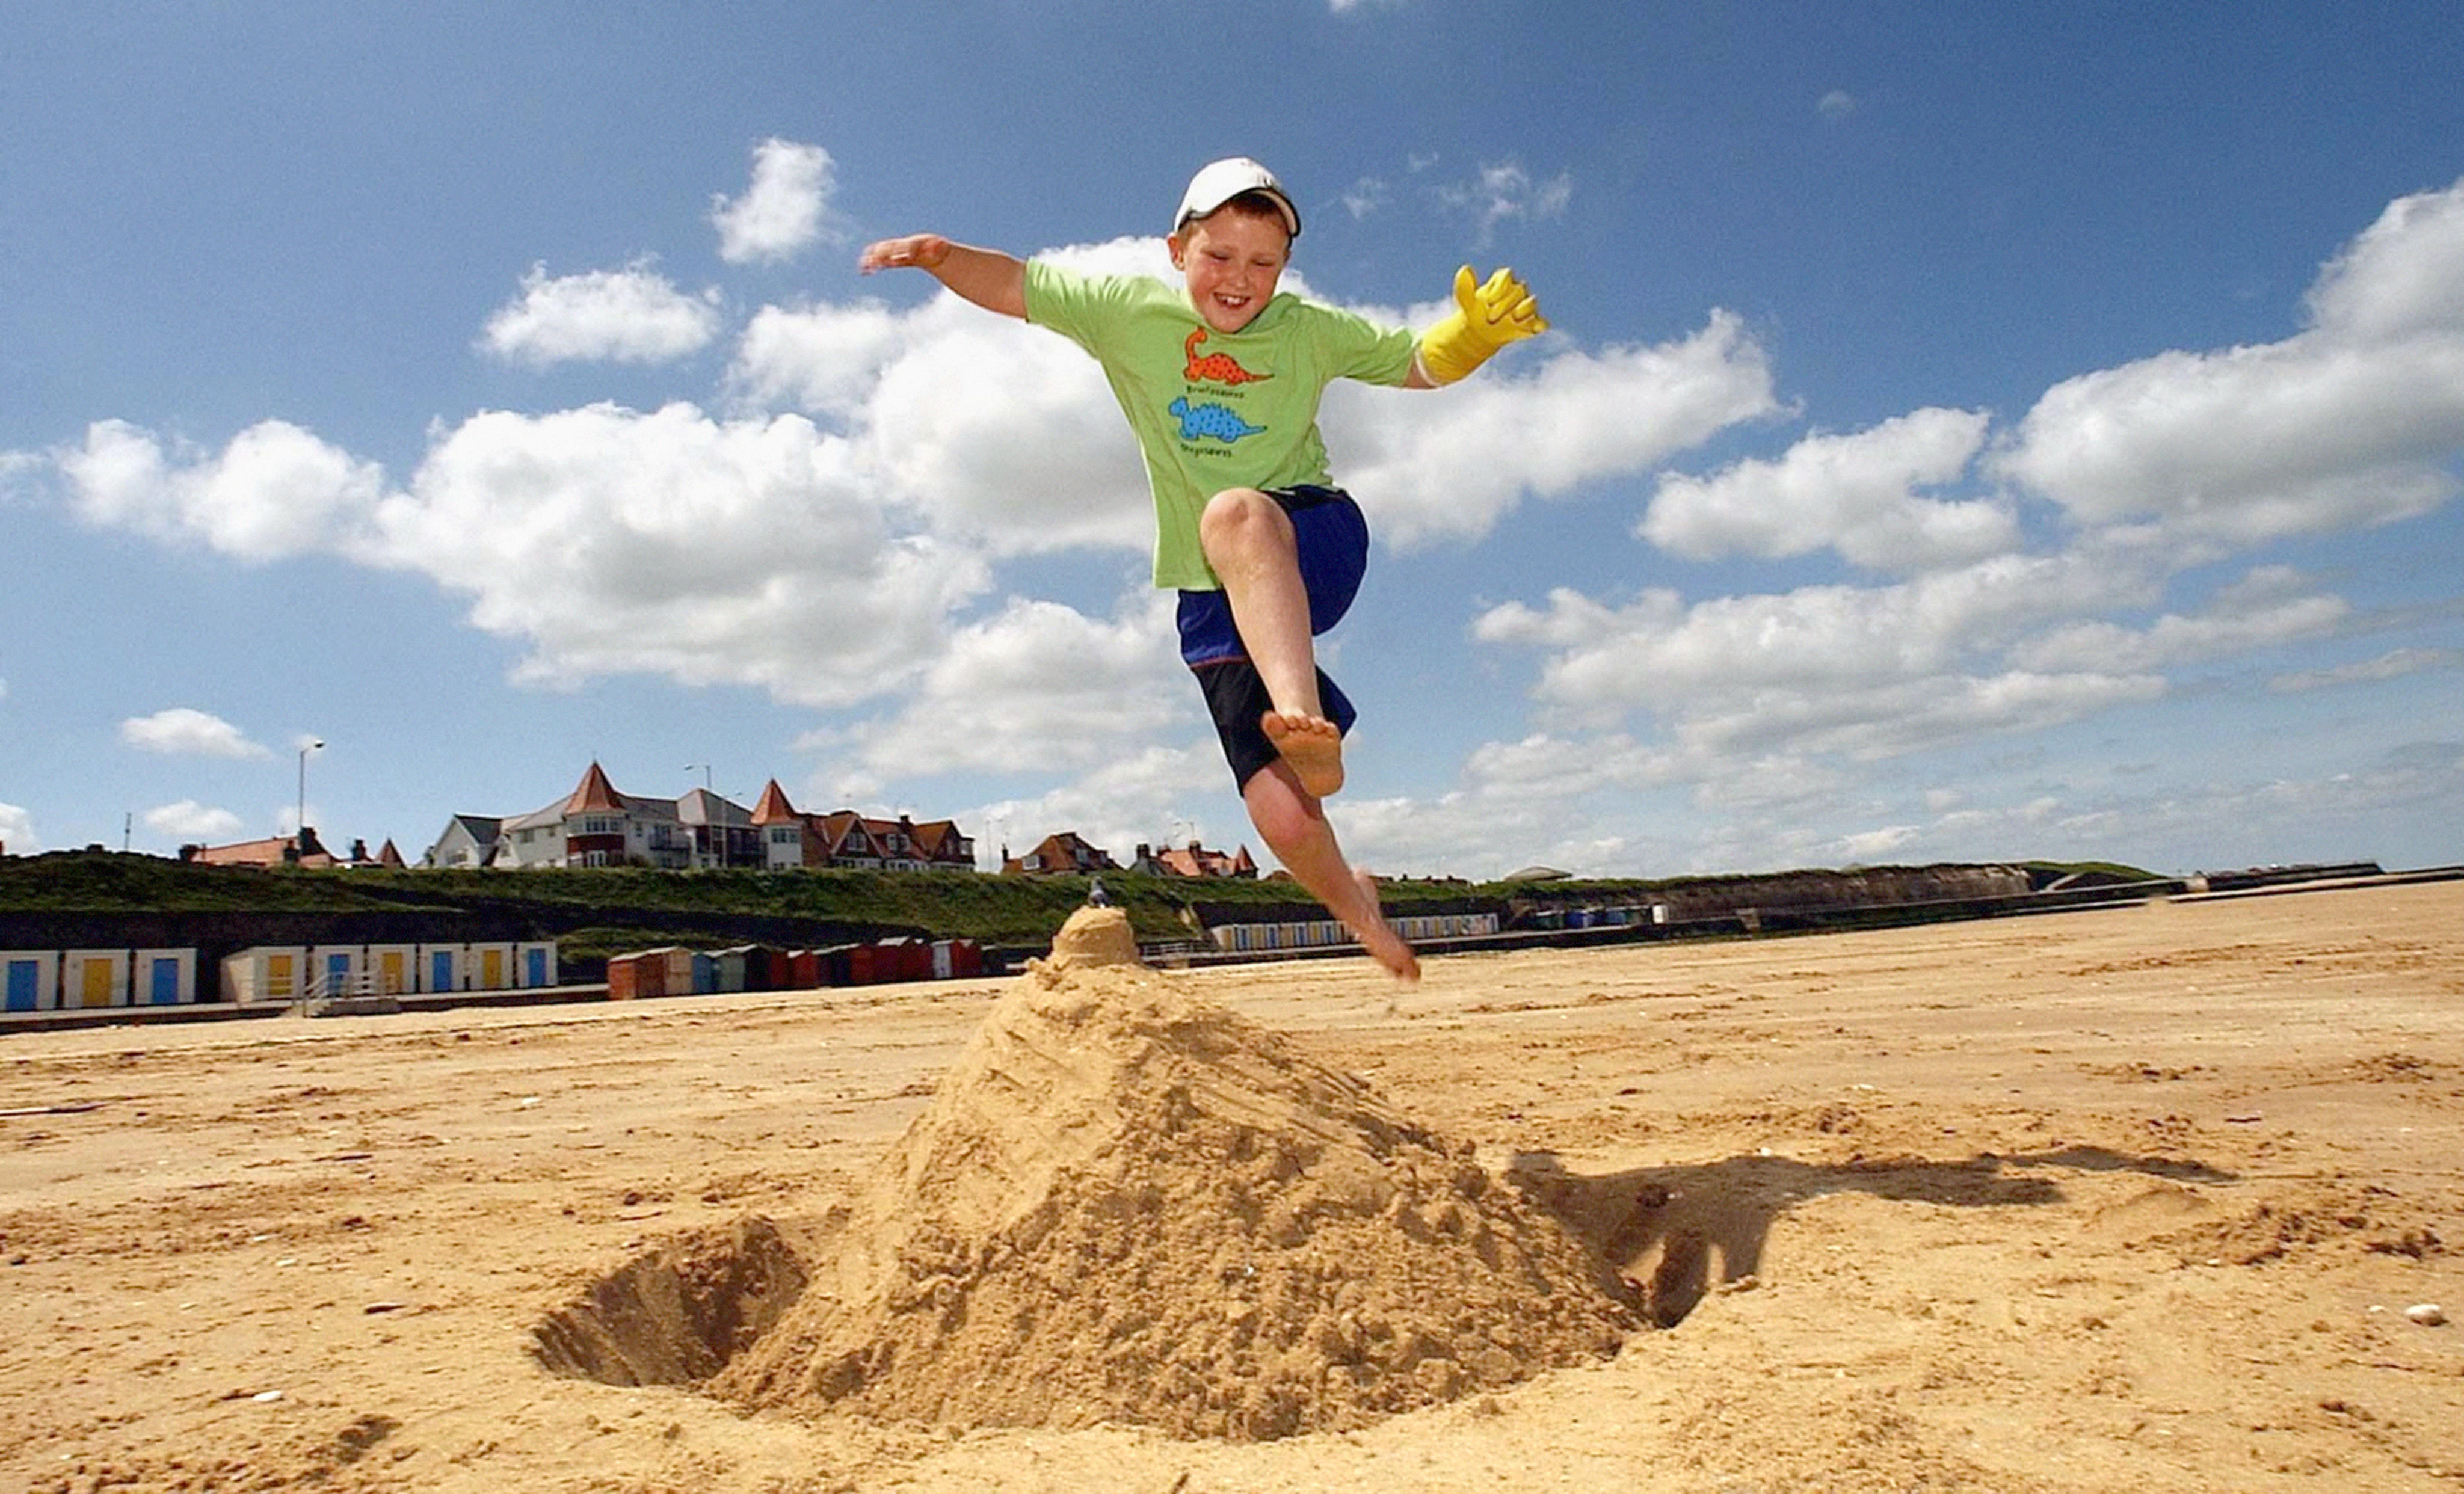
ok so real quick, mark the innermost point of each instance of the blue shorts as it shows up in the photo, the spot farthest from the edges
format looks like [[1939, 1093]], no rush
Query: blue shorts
[[1333, 540]]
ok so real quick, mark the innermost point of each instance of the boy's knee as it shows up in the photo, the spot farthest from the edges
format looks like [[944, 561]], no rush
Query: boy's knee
[[1242, 517], [1288, 820]]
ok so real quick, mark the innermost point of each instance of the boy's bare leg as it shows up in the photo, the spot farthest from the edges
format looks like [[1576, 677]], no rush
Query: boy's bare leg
[[1249, 540], [1293, 824]]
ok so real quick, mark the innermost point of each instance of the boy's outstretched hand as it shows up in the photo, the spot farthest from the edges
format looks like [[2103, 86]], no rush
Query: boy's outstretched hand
[[1487, 317], [991, 280], [916, 251]]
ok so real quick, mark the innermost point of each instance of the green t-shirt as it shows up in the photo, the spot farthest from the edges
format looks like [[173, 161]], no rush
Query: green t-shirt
[[1211, 409]]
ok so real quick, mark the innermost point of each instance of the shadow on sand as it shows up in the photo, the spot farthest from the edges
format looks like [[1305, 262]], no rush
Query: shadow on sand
[[1677, 1233]]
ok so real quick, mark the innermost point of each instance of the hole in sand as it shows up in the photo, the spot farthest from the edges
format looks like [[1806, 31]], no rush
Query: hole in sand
[[676, 1315]]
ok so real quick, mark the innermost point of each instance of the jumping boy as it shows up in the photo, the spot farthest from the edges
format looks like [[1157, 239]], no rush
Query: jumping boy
[[1220, 378]]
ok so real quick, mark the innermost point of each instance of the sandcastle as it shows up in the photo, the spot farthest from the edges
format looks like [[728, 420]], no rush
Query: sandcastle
[[1127, 1204]]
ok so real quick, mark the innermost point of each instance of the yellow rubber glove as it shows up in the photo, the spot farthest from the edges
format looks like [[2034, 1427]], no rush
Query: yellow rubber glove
[[1485, 318]]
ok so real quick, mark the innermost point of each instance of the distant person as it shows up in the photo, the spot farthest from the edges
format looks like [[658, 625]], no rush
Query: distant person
[[1220, 378]]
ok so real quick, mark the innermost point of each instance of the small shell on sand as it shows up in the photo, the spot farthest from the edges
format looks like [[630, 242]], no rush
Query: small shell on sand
[[2428, 1314], [1094, 937]]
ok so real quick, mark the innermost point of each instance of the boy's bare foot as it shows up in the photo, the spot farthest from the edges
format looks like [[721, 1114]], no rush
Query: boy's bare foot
[[1312, 745], [1381, 942]]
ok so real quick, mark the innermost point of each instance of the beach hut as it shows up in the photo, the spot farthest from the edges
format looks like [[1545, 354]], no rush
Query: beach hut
[[727, 970], [802, 970], [638, 975], [535, 965], [836, 965], [764, 968], [864, 964], [265, 973], [28, 980], [440, 968], [491, 967], [334, 970], [94, 977], [162, 977], [904, 958], [392, 969], [956, 959]]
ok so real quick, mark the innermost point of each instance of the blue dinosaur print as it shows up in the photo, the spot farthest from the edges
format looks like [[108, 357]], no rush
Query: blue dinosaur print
[[1215, 422]]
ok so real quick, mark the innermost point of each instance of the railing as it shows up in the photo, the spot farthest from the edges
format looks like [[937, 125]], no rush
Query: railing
[[323, 993]]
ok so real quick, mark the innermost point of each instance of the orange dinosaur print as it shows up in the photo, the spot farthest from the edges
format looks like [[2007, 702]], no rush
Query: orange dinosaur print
[[1216, 367]]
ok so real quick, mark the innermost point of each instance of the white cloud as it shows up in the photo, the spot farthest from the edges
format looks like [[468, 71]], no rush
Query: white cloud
[[2402, 275], [1868, 846], [1661, 652], [185, 732], [19, 474], [823, 359], [1543, 770], [1451, 462], [784, 210], [1837, 105], [1857, 493], [2268, 608], [1505, 191], [2347, 423], [1007, 435], [628, 316], [1751, 691], [190, 821], [275, 490], [2395, 664], [753, 551], [17, 835], [1365, 196], [1891, 719], [741, 552], [1037, 687]]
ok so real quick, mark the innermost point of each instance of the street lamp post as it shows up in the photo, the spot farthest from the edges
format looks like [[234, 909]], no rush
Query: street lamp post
[[299, 830]]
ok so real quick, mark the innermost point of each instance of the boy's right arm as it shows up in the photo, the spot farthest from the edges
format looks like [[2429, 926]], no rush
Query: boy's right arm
[[986, 276]]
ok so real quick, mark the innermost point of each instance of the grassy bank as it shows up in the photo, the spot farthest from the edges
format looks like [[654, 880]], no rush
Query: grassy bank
[[602, 910]]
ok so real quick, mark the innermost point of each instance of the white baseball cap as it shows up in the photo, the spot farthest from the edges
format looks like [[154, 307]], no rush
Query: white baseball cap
[[1218, 182]]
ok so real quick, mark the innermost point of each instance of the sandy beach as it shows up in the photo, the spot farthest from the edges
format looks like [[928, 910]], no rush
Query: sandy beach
[[2154, 1198]]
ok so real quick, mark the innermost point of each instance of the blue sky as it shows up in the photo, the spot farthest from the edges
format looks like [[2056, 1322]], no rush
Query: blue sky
[[1967, 431]]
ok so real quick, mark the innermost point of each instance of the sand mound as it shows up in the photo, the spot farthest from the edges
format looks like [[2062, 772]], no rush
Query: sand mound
[[1127, 1204]]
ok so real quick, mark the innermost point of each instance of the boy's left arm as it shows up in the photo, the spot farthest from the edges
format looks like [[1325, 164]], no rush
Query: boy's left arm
[[1487, 317]]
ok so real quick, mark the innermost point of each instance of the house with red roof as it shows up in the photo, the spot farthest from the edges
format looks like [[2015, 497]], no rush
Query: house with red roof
[[845, 839], [597, 824], [302, 849], [1192, 861], [1061, 853]]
